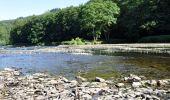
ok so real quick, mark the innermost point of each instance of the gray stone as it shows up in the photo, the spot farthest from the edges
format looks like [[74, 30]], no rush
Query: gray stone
[[9, 69], [135, 78], [136, 84], [98, 79], [162, 83], [152, 82], [64, 79], [87, 97], [120, 85], [81, 79], [97, 85]]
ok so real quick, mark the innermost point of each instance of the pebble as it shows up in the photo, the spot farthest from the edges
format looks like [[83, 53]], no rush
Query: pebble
[[40, 86]]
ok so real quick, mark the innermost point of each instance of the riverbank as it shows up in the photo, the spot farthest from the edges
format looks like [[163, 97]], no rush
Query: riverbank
[[89, 49], [41, 86]]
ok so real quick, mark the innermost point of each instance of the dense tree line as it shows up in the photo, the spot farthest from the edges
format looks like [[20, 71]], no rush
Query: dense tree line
[[5, 28], [107, 20]]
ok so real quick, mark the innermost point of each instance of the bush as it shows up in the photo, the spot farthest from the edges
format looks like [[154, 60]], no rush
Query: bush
[[76, 41], [155, 39]]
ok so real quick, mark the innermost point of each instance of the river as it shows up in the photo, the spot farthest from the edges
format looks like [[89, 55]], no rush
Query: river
[[70, 64]]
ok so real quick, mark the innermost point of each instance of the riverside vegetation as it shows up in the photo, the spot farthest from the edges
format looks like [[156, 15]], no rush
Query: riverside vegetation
[[110, 21]]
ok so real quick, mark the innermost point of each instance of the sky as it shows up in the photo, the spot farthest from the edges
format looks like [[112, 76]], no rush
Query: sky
[[11, 9]]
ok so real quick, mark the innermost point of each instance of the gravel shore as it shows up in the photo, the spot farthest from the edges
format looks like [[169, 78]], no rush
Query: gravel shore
[[40, 86]]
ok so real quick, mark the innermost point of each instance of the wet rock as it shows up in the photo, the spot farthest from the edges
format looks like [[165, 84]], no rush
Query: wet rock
[[98, 79], [81, 79]]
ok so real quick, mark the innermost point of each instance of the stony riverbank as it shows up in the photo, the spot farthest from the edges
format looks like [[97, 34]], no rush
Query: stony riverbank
[[162, 48], [40, 86]]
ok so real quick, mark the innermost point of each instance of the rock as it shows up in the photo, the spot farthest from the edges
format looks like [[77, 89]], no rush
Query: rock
[[136, 84], [1, 86], [38, 92], [152, 82], [98, 79], [135, 78], [119, 85], [64, 79], [12, 82], [40, 98], [87, 97], [132, 78], [155, 97], [73, 83], [81, 79], [162, 83], [142, 77], [97, 85], [39, 75], [53, 82], [84, 84], [126, 79], [9, 69], [16, 73]]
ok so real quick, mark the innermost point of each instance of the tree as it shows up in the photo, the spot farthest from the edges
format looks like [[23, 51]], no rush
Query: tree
[[97, 16]]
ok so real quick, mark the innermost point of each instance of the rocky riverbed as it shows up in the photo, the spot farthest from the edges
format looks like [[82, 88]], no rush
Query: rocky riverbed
[[41, 86]]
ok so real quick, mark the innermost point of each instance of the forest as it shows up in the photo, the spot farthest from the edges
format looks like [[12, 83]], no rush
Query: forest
[[108, 21]]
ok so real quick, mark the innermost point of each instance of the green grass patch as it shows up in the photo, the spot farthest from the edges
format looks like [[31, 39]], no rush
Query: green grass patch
[[80, 41], [155, 39]]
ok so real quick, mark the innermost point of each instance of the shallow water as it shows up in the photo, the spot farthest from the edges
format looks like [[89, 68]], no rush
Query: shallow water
[[150, 65]]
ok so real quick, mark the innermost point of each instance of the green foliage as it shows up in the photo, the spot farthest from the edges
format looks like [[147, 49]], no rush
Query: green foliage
[[114, 21], [97, 16], [5, 28], [156, 39], [76, 41]]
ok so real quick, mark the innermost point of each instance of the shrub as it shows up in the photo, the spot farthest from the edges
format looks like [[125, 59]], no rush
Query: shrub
[[76, 41]]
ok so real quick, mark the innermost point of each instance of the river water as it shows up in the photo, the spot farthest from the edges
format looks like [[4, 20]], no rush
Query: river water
[[67, 64]]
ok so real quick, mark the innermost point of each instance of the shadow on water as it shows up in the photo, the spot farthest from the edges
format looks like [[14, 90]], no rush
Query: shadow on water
[[151, 65]]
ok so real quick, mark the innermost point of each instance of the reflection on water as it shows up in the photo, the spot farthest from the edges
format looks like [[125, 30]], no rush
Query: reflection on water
[[153, 66]]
